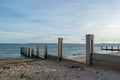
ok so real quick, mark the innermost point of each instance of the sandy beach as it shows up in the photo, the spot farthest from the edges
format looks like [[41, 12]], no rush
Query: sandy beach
[[29, 69]]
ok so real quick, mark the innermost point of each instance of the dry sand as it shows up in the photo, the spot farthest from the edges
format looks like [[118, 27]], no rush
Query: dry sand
[[27, 69]]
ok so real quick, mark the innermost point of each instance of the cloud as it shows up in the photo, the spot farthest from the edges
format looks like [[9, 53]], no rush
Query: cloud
[[13, 36], [39, 20]]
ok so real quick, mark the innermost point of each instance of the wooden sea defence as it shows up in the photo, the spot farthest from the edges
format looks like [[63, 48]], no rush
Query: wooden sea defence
[[46, 52], [89, 49], [100, 60], [60, 43], [47, 56], [30, 53], [92, 58], [110, 48], [106, 57]]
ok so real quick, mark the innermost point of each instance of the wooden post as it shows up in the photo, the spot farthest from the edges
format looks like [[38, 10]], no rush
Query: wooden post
[[101, 47], [45, 51], [37, 52], [21, 50], [60, 43], [89, 49], [112, 48], [106, 48], [26, 52], [29, 52], [32, 53], [118, 48]]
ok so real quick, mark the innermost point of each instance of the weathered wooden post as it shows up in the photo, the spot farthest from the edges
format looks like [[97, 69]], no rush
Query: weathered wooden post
[[89, 49], [101, 47], [112, 48], [45, 51], [28, 52], [21, 50], [60, 44], [32, 53], [118, 48], [24, 51], [37, 51], [106, 48]]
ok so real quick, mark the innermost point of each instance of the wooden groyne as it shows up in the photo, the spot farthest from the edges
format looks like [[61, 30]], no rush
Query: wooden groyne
[[92, 59], [98, 59], [30, 53], [110, 48]]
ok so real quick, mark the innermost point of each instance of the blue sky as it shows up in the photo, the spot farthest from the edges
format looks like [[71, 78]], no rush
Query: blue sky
[[43, 21]]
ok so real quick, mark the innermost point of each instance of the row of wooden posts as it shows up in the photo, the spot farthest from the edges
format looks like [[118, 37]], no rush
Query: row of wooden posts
[[90, 55], [110, 48], [89, 50], [31, 53]]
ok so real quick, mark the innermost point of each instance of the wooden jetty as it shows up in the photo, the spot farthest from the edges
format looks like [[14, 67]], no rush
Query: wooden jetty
[[110, 48]]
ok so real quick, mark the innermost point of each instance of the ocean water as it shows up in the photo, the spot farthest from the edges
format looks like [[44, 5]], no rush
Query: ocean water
[[69, 50]]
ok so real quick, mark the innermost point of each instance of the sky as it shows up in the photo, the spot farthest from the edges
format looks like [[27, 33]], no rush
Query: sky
[[44, 21]]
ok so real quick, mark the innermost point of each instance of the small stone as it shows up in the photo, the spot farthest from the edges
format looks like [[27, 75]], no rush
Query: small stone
[[97, 72], [82, 69], [74, 66], [22, 75], [0, 72], [37, 73]]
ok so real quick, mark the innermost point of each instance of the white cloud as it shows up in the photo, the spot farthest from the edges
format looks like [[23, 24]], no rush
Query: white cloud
[[44, 21]]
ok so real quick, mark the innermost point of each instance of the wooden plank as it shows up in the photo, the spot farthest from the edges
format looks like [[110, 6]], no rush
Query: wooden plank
[[106, 57], [110, 49]]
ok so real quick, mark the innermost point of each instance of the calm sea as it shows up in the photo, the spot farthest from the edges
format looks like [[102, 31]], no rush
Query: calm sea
[[69, 50]]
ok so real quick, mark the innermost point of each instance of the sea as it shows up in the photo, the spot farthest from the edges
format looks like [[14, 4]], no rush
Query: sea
[[70, 50]]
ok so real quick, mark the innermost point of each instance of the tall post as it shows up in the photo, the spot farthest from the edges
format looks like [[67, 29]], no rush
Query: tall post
[[37, 52], [45, 51], [89, 48], [60, 43]]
